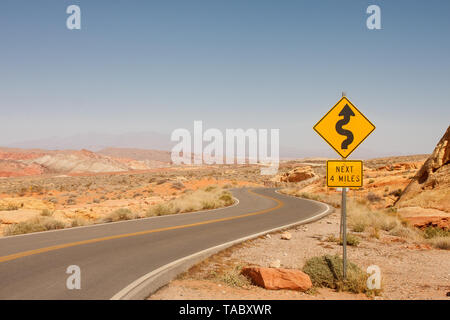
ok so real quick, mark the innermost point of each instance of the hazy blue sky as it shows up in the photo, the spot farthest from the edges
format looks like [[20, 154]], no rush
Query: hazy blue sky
[[160, 65]]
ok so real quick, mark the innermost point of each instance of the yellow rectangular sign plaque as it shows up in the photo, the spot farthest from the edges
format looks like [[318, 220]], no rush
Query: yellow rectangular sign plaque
[[343, 173]]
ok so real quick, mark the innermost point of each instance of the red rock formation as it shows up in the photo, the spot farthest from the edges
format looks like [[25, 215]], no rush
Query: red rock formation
[[276, 279]]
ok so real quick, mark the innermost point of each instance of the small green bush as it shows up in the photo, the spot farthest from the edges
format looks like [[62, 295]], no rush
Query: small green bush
[[327, 271], [210, 188], [435, 232], [359, 227], [233, 277], [351, 240]]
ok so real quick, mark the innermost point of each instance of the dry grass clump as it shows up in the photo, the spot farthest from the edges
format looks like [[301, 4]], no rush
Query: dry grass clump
[[9, 207], [37, 224], [440, 242], [332, 199], [46, 213], [119, 215], [231, 277], [362, 218], [327, 271], [79, 222], [211, 197], [437, 237]]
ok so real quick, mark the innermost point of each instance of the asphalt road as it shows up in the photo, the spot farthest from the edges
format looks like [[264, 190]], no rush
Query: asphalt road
[[113, 255]]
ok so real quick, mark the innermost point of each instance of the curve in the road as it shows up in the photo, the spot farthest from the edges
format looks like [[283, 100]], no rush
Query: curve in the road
[[113, 256]]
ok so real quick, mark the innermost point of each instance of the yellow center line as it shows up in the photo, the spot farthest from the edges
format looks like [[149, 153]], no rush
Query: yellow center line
[[126, 235]]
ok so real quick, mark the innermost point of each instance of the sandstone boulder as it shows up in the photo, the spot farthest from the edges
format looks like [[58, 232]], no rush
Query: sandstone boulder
[[286, 235], [298, 174], [275, 263], [276, 279]]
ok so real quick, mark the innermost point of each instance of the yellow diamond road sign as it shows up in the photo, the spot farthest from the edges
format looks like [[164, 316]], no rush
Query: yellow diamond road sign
[[344, 127]]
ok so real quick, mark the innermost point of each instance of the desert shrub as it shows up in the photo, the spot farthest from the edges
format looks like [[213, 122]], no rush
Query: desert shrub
[[233, 277], [210, 188], [161, 181], [404, 232], [374, 232], [351, 240], [193, 201], [327, 271], [119, 215], [389, 223], [33, 225], [435, 232], [36, 189], [361, 218], [396, 193], [440, 242], [178, 185], [310, 196], [79, 222], [208, 205], [332, 238], [9, 206], [46, 213], [358, 227], [227, 198], [70, 201], [372, 197], [51, 199], [163, 209]]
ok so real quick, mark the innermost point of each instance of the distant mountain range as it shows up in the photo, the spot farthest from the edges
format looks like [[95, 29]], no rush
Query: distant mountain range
[[24, 162], [99, 141], [138, 144]]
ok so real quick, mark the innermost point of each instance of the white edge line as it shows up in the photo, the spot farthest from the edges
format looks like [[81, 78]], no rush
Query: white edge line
[[127, 292], [236, 202]]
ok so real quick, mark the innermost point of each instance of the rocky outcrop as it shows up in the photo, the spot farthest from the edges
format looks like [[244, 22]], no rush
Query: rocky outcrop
[[297, 175], [431, 185], [22, 162], [402, 166], [14, 168], [277, 278]]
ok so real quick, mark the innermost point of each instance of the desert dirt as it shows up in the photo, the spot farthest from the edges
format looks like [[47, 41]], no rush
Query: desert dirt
[[409, 270], [92, 196]]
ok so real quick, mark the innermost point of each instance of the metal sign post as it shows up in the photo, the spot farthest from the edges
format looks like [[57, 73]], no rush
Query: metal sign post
[[344, 120], [344, 230]]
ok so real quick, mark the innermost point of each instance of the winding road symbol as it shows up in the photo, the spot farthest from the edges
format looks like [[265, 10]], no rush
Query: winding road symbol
[[346, 112], [344, 127]]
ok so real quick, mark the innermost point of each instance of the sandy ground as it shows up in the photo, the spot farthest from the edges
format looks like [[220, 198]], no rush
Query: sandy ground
[[408, 270]]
